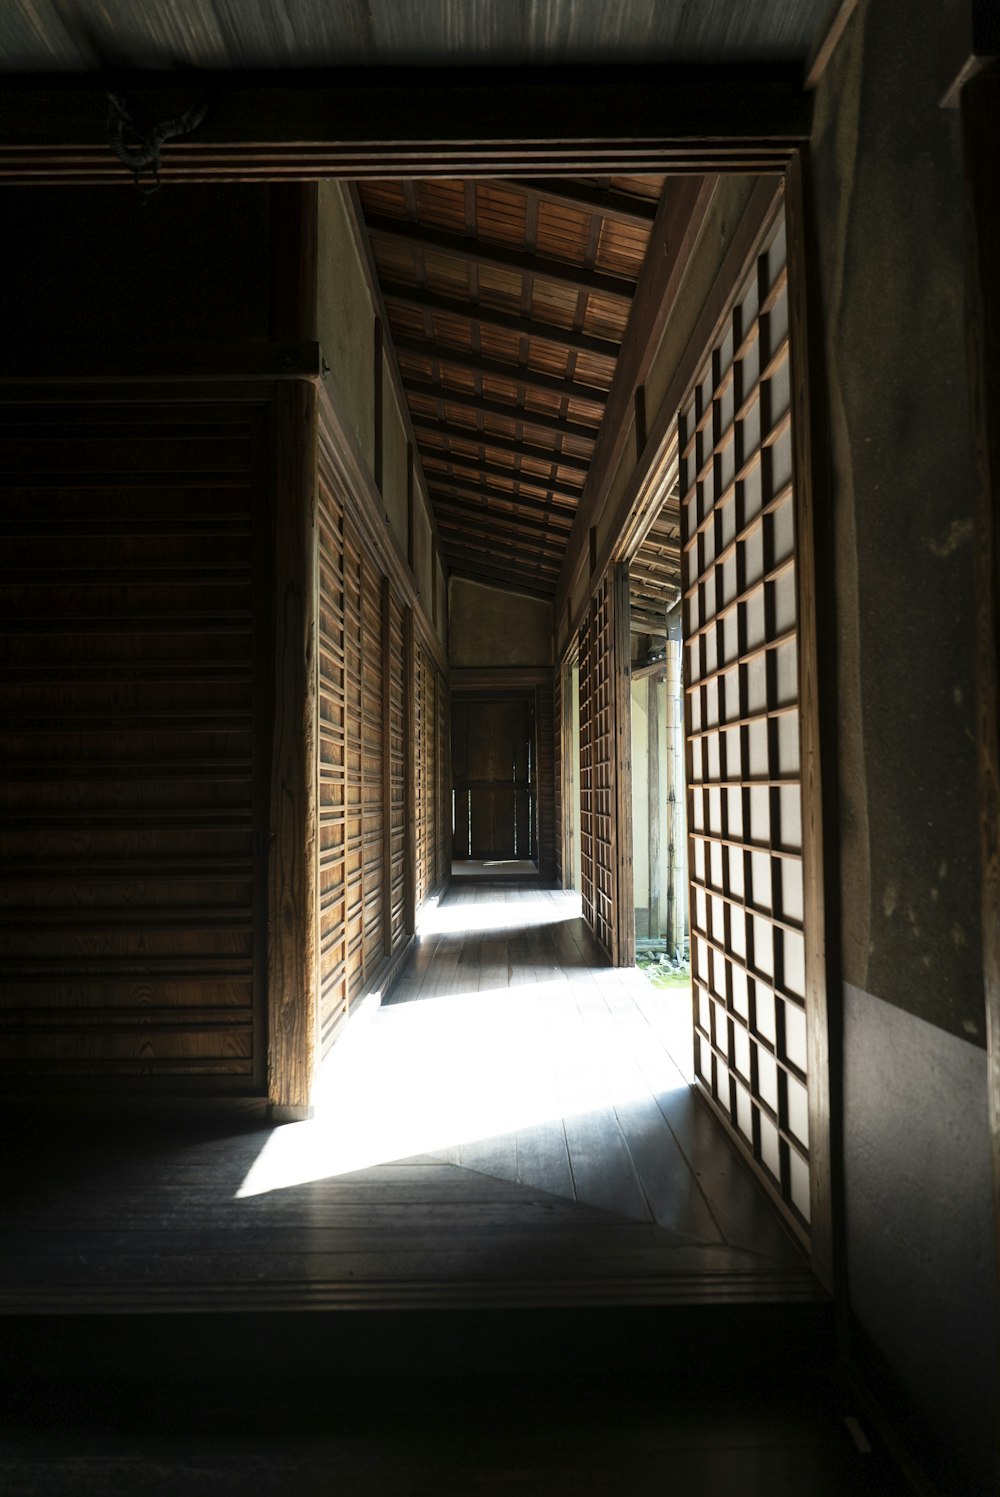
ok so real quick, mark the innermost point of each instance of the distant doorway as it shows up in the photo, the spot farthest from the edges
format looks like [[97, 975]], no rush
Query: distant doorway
[[493, 768]]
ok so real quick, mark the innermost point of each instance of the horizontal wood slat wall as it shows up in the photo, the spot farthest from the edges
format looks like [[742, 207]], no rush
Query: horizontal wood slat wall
[[133, 698], [745, 811]]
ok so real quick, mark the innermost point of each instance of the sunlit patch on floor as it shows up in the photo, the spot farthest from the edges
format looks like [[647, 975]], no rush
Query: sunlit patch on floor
[[426, 1076]]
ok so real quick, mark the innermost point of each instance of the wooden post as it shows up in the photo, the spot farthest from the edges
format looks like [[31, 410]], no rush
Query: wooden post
[[980, 105], [676, 849], [817, 714], [624, 955], [292, 881], [653, 803]]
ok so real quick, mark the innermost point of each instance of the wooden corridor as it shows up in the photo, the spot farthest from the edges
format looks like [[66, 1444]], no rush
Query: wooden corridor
[[513, 1126]]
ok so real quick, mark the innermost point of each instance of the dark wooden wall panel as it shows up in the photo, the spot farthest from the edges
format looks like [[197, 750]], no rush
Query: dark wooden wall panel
[[598, 746], [363, 795], [131, 903], [546, 782], [396, 776], [558, 747]]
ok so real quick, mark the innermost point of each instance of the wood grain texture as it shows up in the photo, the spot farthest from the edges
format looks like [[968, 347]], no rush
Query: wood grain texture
[[680, 216], [818, 709], [133, 741], [980, 105], [624, 894], [591, 123], [293, 945], [757, 919]]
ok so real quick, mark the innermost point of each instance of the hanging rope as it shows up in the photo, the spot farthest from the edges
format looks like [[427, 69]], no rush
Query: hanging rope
[[141, 152]]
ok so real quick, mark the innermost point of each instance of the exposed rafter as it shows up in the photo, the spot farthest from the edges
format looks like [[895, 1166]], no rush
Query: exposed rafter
[[503, 526], [620, 207], [429, 426], [534, 517], [459, 568], [464, 402], [529, 379], [480, 315], [480, 252], [482, 497], [431, 457]]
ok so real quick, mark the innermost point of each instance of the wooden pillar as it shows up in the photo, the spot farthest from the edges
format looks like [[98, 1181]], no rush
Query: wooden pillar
[[292, 884], [653, 802], [980, 106], [624, 955], [818, 713]]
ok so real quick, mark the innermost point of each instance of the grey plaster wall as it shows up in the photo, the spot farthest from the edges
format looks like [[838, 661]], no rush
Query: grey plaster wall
[[918, 1210], [920, 1254], [888, 196], [491, 627]]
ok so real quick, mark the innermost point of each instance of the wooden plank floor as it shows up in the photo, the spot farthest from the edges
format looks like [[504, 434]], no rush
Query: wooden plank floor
[[514, 1126]]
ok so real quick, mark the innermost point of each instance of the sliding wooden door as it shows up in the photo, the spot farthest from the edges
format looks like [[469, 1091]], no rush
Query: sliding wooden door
[[493, 762]]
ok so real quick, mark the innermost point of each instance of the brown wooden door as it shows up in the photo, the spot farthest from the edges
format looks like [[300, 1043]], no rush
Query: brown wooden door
[[493, 760]]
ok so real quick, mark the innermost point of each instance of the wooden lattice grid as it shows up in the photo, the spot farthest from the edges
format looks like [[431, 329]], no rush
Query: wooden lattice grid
[[743, 765]]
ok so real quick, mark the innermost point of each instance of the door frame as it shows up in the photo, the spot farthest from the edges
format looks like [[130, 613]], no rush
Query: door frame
[[573, 121]]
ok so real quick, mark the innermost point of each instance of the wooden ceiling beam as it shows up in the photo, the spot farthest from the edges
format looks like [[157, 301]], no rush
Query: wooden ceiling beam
[[515, 564], [460, 505], [504, 529], [505, 584], [619, 207], [429, 425], [530, 379], [491, 470], [464, 402], [479, 502], [451, 487], [499, 257], [482, 316]]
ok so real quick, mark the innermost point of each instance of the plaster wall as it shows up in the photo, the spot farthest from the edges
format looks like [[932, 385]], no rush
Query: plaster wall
[[345, 317], [489, 626], [918, 1209], [394, 462]]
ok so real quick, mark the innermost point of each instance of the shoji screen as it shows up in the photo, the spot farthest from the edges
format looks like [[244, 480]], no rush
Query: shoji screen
[[743, 715]]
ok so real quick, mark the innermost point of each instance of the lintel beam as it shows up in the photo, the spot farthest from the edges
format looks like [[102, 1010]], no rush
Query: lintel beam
[[391, 123], [499, 257]]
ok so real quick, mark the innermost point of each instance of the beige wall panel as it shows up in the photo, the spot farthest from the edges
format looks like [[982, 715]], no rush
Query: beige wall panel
[[490, 626], [345, 319]]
